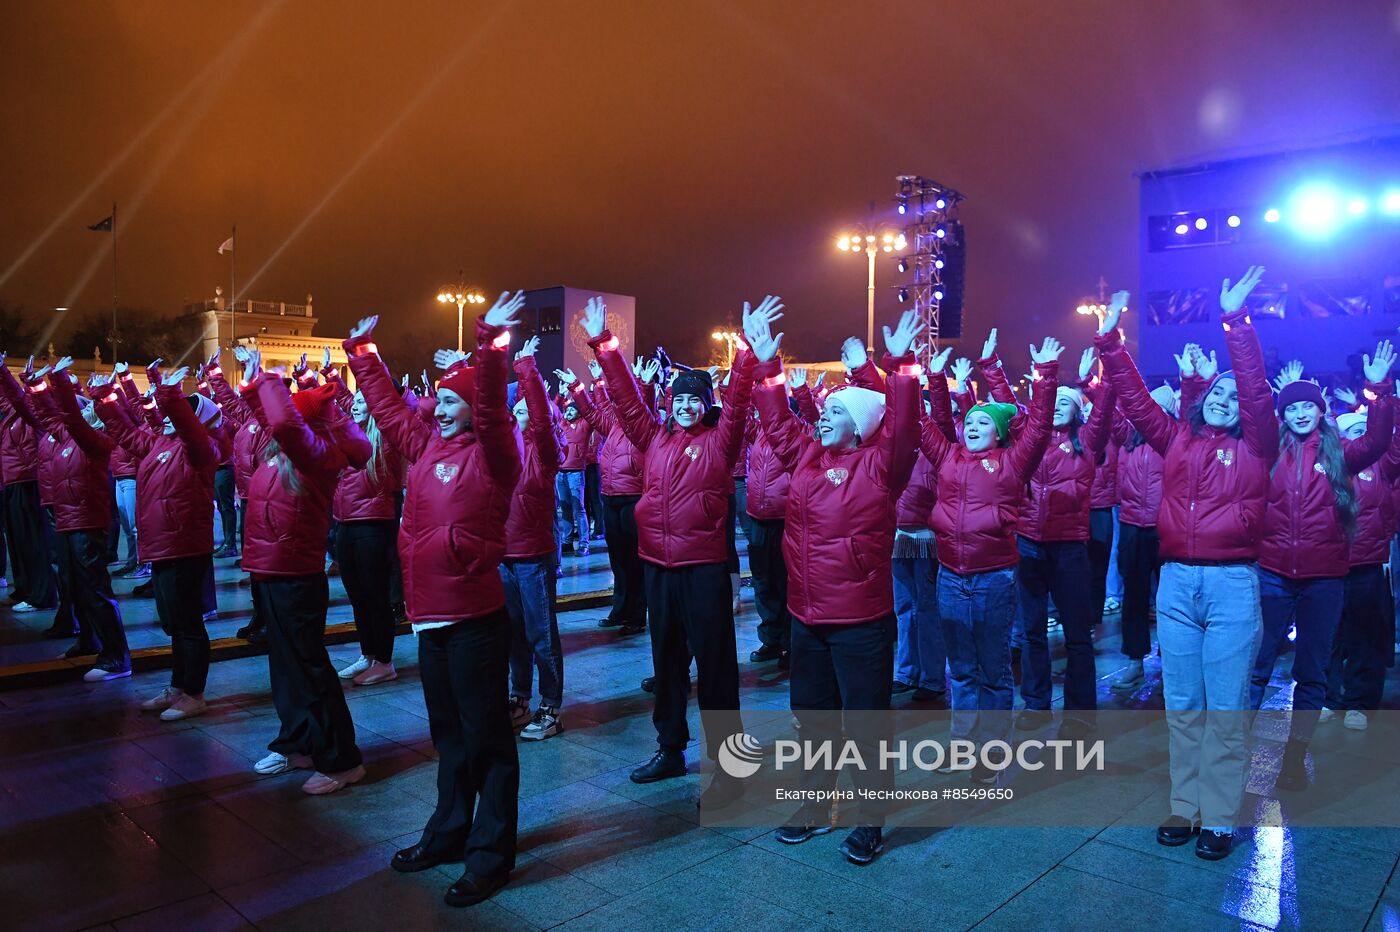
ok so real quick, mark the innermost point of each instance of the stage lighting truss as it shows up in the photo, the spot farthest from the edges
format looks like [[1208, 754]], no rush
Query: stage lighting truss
[[931, 209]]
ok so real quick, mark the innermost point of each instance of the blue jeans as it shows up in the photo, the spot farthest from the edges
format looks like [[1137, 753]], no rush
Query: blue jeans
[[569, 510], [126, 514], [1316, 607], [1115, 579], [976, 611], [1061, 569], [1208, 627], [919, 657], [534, 642]]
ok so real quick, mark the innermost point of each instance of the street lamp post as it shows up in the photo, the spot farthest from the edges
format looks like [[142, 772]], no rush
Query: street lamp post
[[461, 296], [1088, 307], [871, 242], [731, 340]]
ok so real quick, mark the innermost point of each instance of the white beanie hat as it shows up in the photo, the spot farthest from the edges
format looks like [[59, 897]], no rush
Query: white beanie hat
[[1349, 420], [1073, 394], [865, 407], [209, 413]]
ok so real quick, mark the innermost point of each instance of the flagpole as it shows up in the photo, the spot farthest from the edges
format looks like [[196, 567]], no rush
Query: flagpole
[[114, 283], [232, 283]]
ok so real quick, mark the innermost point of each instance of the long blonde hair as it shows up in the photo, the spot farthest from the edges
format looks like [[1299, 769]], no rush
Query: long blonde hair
[[376, 457], [286, 470]]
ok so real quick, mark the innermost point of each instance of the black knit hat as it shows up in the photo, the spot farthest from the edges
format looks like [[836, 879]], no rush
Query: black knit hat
[[694, 382]]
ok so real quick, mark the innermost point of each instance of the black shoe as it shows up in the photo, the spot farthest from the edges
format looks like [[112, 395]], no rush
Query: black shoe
[[785, 661], [611, 622], [649, 684], [210, 617], [806, 823], [663, 766], [1293, 774], [144, 589], [722, 791], [417, 858], [766, 653], [928, 695], [1212, 845], [1031, 719], [471, 889], [254, 634], [863, 844], [1075, 729], [1176, 831], [982, 774], [400, 613], [59, 632], [898, 687], [80, 649], [629, 630]]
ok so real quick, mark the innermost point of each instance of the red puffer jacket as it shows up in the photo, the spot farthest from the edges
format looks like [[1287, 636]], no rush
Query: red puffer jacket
[[769, 481], [453, 535], [249, 437], [1214, 485], [530, 526], [687, 473], [1139, 485], [914, 510], [619, 461], [980, 495], [1376, 515], [577, 434], [841, 504], [286, 528], [1105, 493], [19, 449], [362, 497], [175, 478], [1057, 508], [1303, 534], [82, 495]]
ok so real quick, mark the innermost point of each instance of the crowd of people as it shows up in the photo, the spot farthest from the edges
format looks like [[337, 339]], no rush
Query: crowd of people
[[904, 536]]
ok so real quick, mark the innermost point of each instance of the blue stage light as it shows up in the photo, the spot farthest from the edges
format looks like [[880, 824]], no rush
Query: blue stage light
[[938, 296], [1315, 211], [1390, 202], [902, 265], [938, 263], [1271, 215], [1202, 223], [1181, 229], [1232, 221], [940, 203], [903, 207], [903, 295], [1356, 206]]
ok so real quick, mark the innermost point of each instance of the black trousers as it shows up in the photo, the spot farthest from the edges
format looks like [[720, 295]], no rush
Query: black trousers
[[64, 618], [305, 689], [770, 581], [1100, 552], [224, 489], [845, 667], [396, 578], [629, 604], [593, 496], [85, 561], [363, 550], [465, 686], [33, 576], [1058, 569], [692, 614], [178, 586], [1138, 564], [1363, 647], [114, 529], [731, 538]]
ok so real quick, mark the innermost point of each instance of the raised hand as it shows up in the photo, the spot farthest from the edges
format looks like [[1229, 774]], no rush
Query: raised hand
[[528, 350], [63, 364], [445, 359], [1206, 365], [651, 369], [98, 380], [853, 354], [1345, 395], [41, 373], [1114, 311], [898, 340], [1377, 367], [176, 377], [325, 358], [1290, 373], [240, 354], [990, 346], [566, 378], [797, 377], [365, 327], [770, 310], [1086, 363], [301, 365], [936, 364], [1232, 297], [1186, 359], [595, 371], [502, 313], [213, 361], [1049, 351], [761, 340], [594, 318], [252, 365], [29, 367], [821, 377]]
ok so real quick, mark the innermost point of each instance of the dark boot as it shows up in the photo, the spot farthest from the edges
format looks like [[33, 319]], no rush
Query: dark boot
[[1293, 775]]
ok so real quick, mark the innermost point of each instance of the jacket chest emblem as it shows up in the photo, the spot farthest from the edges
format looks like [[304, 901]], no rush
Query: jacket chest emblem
[[692, 452], [164, 456], [1364, 475], [990, 466], [1319, 468], [67, 452], [1226, 457], [446, 472], [1065, 447], [252, 428], [837, 475]]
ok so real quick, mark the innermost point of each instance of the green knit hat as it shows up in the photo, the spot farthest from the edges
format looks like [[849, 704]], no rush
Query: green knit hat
[[1001, 415]]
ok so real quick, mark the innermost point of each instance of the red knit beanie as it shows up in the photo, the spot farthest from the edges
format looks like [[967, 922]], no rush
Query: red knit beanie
[[461, 379], [311, 403]]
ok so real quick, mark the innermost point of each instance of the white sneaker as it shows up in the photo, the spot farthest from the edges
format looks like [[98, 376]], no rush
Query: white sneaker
[[184, 706], [1130, 679], [376, 672], [319, 784], [162, 700], [102, 675], [1355, 720], [22, 608], [545, 724], [281, 763], [358, 667], [1325, 715], [1111, 605], [519, 712]]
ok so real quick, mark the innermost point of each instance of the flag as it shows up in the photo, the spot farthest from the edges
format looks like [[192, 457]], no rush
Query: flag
[[104, 226], [226, 246]]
